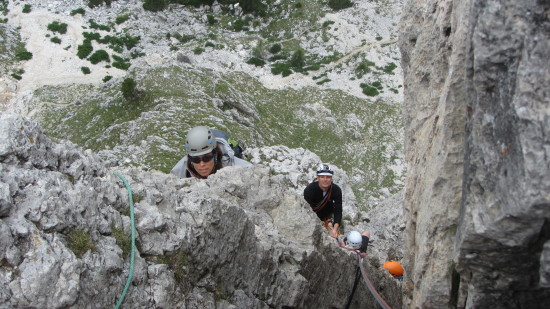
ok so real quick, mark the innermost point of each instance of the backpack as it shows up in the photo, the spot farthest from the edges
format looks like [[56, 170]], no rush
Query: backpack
[[237, 148]]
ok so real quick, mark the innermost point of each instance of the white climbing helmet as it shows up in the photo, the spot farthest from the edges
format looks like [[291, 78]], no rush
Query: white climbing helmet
[[354, 240], [324, 170], [199, 141]]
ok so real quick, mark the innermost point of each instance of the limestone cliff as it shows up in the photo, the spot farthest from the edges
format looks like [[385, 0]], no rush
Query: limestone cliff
[[477, 123], [243, 238]]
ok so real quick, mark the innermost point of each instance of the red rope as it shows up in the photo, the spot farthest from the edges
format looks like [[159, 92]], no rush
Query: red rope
[[368, 283]]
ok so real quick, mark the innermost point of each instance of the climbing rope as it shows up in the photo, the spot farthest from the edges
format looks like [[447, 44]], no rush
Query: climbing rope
[[371, 287], [131, 272], [368, 283]]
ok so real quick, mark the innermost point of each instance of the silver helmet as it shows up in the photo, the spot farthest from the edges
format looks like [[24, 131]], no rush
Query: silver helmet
[[199, 141]]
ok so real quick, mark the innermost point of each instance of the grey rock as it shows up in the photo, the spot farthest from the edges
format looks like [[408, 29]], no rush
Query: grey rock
[[243, 238], [183, 58], [476, 125]]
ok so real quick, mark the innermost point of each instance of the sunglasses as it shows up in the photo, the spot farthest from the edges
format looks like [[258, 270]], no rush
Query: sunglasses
[[206, 158]]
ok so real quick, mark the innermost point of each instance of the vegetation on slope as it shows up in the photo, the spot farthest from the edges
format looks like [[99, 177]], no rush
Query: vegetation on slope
[[144, 123]]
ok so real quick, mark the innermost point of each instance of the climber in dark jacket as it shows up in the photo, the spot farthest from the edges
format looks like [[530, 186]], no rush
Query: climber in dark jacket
[[325, 198]]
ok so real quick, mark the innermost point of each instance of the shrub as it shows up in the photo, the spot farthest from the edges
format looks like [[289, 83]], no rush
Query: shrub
[[128, 88], [16, 76], [154, 5], [184, 38], [95, 25], [337, 5], [258, 50], [298, 59], [26, 8], [57, 27], [328, 23], [369, 90], [281, 68], [278, 57], [209, 44], [92, 36], [326, 80], [211, 19], [85, 70], [78, 11], [94, 3], [79, 242], [377, 85], [122, 18], [239, 25], [84, 49], [255, 7], [120, 63], [364, 68], [134, 55], [98, 56], [107, 78], [23, 54], [256, 61], [56, 40], [130, 41], [198, 50], [389, 68]]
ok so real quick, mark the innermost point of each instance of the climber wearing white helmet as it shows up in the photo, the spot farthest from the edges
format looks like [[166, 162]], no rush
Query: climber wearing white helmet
[[325, 198], [206, 154], [357, 241]]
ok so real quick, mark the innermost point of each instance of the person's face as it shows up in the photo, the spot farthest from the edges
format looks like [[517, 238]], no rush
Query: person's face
[[203, 164], [324, 182]]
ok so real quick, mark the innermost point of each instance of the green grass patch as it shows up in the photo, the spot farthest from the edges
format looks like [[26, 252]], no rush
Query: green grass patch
[[123, 241], [79, 242], [283, 117]]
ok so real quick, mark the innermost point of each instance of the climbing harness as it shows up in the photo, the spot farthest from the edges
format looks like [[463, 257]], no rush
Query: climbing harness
[[368, 283], [324, 202], [131, 272]]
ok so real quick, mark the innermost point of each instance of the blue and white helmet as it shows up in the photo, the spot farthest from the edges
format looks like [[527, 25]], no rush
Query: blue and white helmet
[[324, 170]]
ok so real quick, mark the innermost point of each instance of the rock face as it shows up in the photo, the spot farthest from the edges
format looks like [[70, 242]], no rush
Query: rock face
[[477, 123], [243, 238]]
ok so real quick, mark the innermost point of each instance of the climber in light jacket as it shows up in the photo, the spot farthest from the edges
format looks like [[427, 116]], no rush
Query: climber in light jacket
[[206, 154]]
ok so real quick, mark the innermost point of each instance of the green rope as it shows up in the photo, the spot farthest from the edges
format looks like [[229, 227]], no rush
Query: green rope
[[131, 273]]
